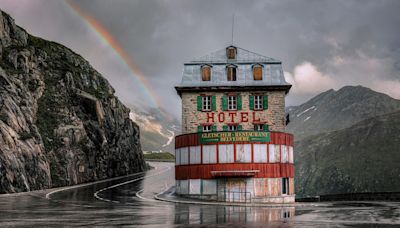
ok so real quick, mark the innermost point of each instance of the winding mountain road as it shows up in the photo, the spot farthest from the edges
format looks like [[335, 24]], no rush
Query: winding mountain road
[[129, 201]]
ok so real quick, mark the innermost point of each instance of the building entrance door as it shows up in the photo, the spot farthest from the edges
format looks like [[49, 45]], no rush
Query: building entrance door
[[233, 190]]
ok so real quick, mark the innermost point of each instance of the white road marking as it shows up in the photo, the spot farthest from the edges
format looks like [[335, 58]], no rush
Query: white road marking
[[91, 183], [96, 194]]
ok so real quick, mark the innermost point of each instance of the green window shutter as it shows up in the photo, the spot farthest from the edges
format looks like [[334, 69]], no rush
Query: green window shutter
[[225, 128], [199, 128], [265, 102], [251, 102], [239, 99], [239, 127], [213, 103], [224, 103], [266, 127], [214, 128], [199, 103]]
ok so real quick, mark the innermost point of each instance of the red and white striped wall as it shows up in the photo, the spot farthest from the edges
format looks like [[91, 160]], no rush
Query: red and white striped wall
[[259, 160]]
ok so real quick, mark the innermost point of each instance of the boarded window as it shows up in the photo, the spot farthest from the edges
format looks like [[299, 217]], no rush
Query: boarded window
[[206, 73], [226, 154], [231, 71], [243, 153], [195, 155], [194, 186], [260, 153], [273, 153], [178, 156], [209, 154], [231, 52], [184, 155], [285, 157], [209, 187], [184, 187], [257, 72], [291, 160]]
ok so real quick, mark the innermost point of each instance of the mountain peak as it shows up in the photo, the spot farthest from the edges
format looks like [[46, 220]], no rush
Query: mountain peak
[[334, 110]]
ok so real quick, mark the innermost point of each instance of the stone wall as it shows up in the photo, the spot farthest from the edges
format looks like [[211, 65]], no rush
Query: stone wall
[[274, 116]]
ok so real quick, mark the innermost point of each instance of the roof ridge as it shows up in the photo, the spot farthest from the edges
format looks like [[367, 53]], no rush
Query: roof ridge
[[244, 55]]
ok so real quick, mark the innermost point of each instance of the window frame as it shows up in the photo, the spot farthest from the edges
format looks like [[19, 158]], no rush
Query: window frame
[[285, 186], [207, 128], [230, 74], [258, 102], [257, 127], [202, 72], [253, 71], [232, 101], [233, 126], [228, 52], [206, 103]]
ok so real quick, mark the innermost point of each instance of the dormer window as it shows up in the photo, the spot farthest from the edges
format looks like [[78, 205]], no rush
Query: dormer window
[[206, 73], [231, 72], [231, 52], [257, 72]]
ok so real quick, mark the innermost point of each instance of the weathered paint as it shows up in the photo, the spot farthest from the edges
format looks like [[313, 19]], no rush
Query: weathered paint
[[204, 171], [194, 140]]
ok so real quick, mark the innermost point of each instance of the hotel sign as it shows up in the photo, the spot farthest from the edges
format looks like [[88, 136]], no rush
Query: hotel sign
[[240, 136]]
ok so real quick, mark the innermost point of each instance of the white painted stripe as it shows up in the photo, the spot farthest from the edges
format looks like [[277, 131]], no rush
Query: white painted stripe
[[91, 183], [96, 194]]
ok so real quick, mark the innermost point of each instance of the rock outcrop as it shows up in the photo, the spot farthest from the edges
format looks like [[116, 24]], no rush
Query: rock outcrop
[[60, 122]]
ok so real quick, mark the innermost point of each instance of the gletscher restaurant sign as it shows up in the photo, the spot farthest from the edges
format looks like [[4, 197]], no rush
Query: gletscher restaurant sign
[[241, 136]]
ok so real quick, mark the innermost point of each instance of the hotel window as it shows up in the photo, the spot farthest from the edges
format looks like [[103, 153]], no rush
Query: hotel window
[[231, 52], [259, 127], [206, 73], [232, 127], [258, 102], [207, 128], [232, 103], [257, 72], [285, 186], [231, 73], [206, 103]]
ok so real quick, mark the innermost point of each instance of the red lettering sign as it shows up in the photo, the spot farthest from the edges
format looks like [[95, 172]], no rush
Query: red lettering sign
[[221, 117], [232, 115], [254, 118], [244, 116], [210, 117]]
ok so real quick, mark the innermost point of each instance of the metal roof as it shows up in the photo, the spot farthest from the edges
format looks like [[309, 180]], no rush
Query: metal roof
[[243, 56], [272, 71]]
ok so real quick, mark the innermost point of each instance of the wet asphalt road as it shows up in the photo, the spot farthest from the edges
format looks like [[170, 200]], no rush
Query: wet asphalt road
[[129, 201]]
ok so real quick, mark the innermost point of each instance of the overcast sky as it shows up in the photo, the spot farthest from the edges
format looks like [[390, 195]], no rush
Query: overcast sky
[[322, 44]]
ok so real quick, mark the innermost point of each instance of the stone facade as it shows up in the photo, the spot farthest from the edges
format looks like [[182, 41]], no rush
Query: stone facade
[[274, 116]]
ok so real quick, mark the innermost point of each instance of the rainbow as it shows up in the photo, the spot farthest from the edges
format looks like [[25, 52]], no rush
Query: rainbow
[[108, 39]]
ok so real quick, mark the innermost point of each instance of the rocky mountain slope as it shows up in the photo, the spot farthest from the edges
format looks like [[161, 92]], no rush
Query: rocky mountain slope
[[335, 110], [346, 141], [60, 123], [362, 158]]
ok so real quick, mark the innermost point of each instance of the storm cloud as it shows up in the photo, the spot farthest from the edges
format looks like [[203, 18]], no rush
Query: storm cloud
[[322, 44]]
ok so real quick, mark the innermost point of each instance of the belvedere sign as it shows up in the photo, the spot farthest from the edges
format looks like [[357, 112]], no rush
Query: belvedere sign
[[236, 136]]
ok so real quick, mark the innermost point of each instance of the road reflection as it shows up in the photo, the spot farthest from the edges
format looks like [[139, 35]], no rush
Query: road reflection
[[192, 214]]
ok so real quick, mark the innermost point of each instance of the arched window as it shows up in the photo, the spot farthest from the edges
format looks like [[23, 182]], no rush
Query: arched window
[[206, 72], [231, 72], [231, 52], [257, 72]]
